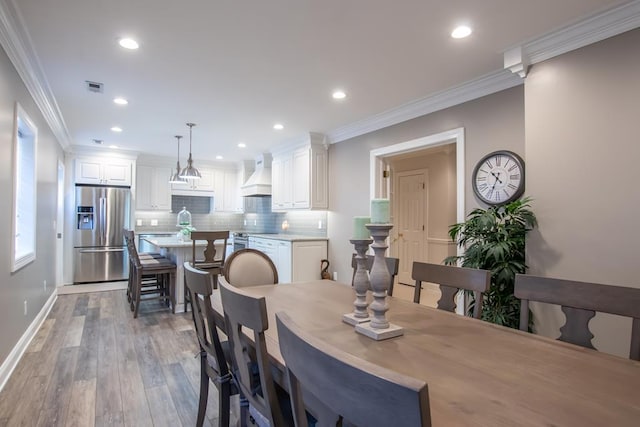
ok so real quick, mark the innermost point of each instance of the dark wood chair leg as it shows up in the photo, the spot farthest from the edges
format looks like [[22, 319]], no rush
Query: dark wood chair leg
[[137, 292], [204, 390]]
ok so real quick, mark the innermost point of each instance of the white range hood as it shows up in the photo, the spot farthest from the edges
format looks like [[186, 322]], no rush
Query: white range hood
[[259, 183]]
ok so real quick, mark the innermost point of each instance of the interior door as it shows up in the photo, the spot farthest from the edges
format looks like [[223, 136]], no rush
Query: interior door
[[410, 200]]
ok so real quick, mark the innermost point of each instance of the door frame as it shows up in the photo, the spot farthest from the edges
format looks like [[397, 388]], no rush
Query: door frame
[[59, 236], [380, 187]]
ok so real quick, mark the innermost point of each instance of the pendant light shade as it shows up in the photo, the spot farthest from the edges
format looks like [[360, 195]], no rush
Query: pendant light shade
[[175, 177], [190, 173]]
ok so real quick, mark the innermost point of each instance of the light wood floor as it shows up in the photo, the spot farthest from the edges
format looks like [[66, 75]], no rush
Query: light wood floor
[[91, 364]]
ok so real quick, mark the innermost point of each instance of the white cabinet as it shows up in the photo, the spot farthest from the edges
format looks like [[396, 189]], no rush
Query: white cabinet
[[300, 177], [152, 188], [103, 171], [297, 261], [192, 187]]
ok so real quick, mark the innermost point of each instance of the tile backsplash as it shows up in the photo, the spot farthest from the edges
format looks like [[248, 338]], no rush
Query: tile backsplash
[[310, 223]]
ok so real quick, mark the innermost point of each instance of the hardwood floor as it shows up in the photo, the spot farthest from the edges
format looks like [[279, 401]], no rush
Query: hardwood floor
[[92, 364]]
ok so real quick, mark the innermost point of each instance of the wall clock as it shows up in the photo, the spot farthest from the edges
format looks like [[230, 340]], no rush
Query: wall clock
[[498, 178]]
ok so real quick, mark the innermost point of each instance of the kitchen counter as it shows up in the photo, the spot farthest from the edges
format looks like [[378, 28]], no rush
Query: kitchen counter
[[289, 237], [173, 242]]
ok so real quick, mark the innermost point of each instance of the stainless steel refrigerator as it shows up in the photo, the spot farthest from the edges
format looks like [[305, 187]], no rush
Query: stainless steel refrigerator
[[99, 249]]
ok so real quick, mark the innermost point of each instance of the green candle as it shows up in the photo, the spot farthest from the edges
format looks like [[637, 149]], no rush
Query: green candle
[[360, 232], [380, 211]]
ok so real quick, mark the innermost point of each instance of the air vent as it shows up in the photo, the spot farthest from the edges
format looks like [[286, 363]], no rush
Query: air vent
[[94, 86], [98, 141]]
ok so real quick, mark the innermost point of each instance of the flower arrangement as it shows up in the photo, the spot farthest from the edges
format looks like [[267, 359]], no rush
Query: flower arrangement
[[185, 232]]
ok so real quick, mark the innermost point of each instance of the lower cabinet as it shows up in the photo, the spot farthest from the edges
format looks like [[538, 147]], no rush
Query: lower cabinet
[[297, 261]]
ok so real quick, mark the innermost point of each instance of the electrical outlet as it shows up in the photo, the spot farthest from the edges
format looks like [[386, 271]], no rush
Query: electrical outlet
[[335, 276], [245, 222], [154, 222], [138, 222], [319, 224], [25, 307], [45, 286], [255, 222]]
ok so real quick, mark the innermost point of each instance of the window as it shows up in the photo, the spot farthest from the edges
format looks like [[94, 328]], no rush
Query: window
[[23, 244]]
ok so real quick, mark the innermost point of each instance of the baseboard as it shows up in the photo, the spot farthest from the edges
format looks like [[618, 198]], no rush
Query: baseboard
[[14, 357]]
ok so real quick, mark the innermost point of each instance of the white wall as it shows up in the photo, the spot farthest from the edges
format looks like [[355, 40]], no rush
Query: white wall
[[26, 283], [582, 153]]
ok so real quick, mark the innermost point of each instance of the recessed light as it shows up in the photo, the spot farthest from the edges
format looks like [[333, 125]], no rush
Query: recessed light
[[219, 157], [338, 94], [461, 32], [113, 146], [120, 101], [242, 145], [278, 126], [116, 129], [128, 43]]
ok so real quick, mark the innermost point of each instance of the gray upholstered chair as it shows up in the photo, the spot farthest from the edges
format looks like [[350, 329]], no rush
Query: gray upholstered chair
[[579, 302], [250, 267]]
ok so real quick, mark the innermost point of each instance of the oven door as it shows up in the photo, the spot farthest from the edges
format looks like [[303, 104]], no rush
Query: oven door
[[239, 243]]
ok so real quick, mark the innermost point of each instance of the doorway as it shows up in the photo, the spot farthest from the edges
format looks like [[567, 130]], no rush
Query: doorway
[[60, 226], [383, 184]]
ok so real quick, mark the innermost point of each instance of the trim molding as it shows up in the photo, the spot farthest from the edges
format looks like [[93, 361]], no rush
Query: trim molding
[[485, 85], [16, 42], [588, 31], [10, 363]]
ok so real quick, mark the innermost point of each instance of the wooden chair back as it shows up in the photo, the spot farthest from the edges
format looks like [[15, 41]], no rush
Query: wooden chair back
[[451, 279], [213, 258], [244, 311], [214, 365], [130, 241], [363, 393], [250, 267], [392, 265], [579, 302]]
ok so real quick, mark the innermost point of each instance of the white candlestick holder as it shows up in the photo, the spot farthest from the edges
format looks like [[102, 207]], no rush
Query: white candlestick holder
[[361, 284], [379, 327]]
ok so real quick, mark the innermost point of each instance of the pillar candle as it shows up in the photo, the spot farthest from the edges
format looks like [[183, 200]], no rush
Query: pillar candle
[[360, 232], [380, 211]]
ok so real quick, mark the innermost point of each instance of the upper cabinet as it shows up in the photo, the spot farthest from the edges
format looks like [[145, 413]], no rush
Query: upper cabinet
[[152, 188], [299, 176], [99, 171], [221, 184], [204, 184]]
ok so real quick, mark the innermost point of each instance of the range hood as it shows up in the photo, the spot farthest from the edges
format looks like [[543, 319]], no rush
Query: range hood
[[259, 183]]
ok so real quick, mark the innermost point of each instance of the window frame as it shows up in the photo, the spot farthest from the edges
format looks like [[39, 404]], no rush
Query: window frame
[[25, 126]]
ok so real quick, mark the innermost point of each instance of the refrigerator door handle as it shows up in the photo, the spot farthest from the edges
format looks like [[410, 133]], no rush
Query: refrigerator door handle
[[103, 220], [97, 251]]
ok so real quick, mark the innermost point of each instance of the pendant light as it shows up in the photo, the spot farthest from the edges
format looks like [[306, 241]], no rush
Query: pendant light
[[190, 172], [175, 177]]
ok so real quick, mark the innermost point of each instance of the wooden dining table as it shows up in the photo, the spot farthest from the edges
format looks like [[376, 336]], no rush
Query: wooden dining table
[[478, 374]]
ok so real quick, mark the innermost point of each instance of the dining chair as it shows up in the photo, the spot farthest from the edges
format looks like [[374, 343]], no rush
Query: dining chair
[[250, 267], [214, 353], [149, 280], [251, 365], [451, 280], [362, 393], [213, 258], [392, 265], [163, 273], [580, 301]]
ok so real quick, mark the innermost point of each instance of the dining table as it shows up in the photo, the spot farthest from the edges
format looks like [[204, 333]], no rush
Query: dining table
[[477, 373]]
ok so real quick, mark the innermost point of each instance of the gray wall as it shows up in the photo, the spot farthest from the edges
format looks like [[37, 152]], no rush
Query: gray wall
[[491, 123], [26, 283], [582, 154]]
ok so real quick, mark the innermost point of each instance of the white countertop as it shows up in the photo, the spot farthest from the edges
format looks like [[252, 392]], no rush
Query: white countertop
[[173, 242], [289, 237]]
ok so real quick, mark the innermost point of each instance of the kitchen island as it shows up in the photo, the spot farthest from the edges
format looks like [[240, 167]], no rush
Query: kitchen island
[[179, 251]]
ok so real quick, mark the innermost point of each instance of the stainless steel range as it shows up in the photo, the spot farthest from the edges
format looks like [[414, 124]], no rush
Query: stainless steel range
[[240, 240]]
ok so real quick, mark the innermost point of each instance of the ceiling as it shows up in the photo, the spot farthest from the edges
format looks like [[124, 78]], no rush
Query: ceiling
[[237, 67]]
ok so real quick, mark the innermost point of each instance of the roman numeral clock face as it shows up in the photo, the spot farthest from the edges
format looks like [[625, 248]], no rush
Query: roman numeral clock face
[[499, 178]]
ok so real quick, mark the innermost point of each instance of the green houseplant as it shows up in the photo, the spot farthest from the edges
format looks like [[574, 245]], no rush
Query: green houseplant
[[494, 240]]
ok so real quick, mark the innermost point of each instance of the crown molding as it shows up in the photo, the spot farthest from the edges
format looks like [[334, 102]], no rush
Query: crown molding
[[588, 31], [16, 42], [486, 85]]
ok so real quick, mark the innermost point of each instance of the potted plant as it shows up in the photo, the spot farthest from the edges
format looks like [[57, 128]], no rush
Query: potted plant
[[494, 240]]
